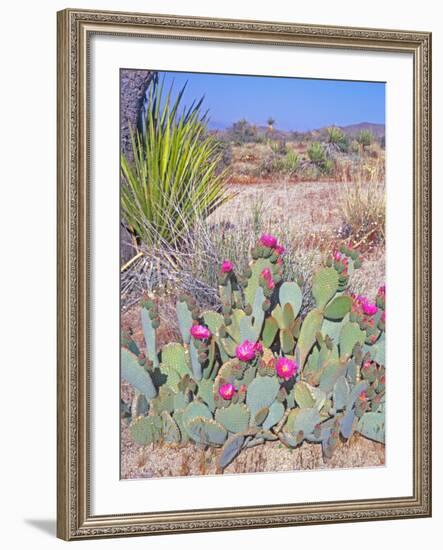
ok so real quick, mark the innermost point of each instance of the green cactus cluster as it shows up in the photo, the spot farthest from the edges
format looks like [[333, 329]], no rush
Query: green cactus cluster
[[224, 385]]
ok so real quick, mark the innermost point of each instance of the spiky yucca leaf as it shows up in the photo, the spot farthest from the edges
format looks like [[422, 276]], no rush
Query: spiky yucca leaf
[[174, 177]]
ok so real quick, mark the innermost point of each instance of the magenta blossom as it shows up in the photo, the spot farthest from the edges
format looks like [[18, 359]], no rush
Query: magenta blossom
[[247, 350], [259, 348], [267, 276], [337, 256], [227, 266], [200, 332], [279, 249], [226, 391], [286, 368], [368, 307], [268, 240]]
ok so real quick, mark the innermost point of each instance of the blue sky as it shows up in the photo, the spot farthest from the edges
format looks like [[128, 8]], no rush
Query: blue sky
[[295, 103]]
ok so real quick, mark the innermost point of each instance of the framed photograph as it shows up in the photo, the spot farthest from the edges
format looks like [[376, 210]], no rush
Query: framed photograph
[[243, 257]]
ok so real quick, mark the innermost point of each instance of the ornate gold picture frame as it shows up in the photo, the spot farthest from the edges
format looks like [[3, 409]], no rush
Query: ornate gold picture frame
[[74, 516]]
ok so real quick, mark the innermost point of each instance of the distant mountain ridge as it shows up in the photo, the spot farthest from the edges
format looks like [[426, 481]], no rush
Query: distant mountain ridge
[[376, 128], [350, 130]]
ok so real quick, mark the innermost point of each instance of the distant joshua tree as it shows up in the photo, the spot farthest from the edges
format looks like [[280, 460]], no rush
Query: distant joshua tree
[[271, 123]]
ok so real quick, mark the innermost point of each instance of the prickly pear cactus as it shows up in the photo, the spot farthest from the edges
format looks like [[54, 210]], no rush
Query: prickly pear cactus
[[258, 370]]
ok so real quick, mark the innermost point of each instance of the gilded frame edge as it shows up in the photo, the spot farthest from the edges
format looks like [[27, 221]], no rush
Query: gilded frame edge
[[73, 518]]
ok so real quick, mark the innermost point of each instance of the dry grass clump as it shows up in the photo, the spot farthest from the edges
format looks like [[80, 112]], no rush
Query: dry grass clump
[[362, 209]]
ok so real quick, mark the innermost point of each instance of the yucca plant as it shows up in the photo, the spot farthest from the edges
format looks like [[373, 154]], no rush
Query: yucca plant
[[291, 162], [336, 140], [316, 153], [365, 138], [174, 175]]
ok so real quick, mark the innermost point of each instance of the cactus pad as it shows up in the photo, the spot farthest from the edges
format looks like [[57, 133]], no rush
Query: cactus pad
[[185, 321], [349, 336], [311, 325], [150, 336], [170, 430], [275, 414], [372, 426], [324, 286], [234, 418], [133, 373], [338, 308], [230, 450], [270, 330], [262, 391], [174, 355], [303, 395], [146, 430], [290, 293], [302, 420], [139, 406], [340, 393]]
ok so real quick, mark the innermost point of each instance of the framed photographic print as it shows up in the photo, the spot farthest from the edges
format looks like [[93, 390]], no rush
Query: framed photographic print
[[243, 257]]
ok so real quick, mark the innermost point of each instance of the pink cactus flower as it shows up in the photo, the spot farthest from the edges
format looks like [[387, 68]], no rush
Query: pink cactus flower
[[245, 351], [362, 396], [368, 307], [227, 266], [336, 256], [279, 249], [200, 332], [243, 388], [266, 273], [226, 391], [381, 291], [268, 240], [366, 365], [286, 368], [248, 350], [259, 348]]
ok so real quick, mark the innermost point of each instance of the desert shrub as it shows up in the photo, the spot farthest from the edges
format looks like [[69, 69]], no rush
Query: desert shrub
[[336, 140], [291, 162], [259, 370], [354, 147], [362, 208], [309, 171], [278, 147], [174, 177], [243, 132], [316, 153], [287, 164], [224, 150], [365, 138]]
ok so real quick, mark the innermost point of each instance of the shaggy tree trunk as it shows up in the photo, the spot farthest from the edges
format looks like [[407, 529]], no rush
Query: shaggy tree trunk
[[133, 85]]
